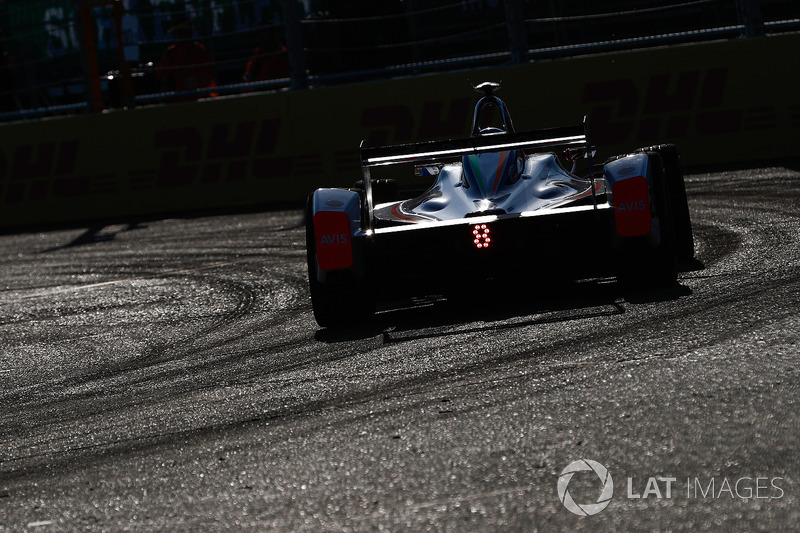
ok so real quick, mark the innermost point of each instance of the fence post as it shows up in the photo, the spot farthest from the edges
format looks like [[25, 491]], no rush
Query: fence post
[[515, 21], [749, 12], [294, 44], [118, 11], [94, 93], [411, 24]]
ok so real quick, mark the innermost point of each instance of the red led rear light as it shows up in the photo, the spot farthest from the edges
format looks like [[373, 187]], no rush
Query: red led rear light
[[481, 235]]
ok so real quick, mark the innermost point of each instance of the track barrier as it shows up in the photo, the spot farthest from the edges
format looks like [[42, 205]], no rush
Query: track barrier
[[721, 103]]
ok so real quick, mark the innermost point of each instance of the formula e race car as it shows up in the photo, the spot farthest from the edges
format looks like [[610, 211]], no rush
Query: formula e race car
[[502, 206]]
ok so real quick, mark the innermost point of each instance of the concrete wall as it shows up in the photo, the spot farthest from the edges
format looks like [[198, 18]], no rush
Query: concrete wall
[[723, 102]]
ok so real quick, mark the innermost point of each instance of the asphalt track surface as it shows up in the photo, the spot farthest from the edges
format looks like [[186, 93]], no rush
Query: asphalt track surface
[[169, 375]]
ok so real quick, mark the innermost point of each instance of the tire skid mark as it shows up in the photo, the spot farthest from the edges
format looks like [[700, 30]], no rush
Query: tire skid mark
[[294, 376]]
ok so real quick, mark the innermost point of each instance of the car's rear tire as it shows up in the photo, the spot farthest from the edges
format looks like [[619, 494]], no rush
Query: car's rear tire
[[640, 265], [676, 190], [343, 299]]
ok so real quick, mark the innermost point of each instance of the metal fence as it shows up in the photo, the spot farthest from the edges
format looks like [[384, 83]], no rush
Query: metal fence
[[68, 56]]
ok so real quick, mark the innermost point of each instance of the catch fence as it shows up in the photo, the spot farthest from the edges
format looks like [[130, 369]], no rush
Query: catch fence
[[63, 56]]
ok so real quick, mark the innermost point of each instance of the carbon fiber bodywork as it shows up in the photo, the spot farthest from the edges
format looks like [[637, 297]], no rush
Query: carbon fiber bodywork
[[437, 257]]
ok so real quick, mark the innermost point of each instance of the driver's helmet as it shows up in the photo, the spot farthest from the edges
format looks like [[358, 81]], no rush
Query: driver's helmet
[[488, 172]]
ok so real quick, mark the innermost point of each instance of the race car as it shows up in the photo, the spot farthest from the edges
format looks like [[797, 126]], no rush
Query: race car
[[502, 207]]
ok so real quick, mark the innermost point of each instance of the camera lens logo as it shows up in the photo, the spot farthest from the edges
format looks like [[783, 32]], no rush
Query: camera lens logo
[[585, 509]]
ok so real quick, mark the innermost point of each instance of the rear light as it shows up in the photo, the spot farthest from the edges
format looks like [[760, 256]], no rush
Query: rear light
[[481, 234]]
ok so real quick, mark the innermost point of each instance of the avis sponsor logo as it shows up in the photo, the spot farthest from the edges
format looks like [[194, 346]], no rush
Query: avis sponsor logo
[[638, 205], [338, 238]]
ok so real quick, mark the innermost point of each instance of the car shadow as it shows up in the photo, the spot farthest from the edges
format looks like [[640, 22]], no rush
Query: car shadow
[[438, 317]]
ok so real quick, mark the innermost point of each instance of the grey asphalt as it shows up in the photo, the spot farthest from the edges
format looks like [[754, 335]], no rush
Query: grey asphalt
[[168, 375]]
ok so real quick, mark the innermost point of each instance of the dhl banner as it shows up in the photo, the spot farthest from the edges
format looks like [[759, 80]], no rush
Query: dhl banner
[[722, 102]]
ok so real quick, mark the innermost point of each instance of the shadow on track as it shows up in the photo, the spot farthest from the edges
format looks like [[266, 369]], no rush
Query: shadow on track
[[94, 235], [437, 316]]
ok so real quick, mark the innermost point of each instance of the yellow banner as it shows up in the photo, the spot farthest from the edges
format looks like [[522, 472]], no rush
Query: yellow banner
[[724, 102]]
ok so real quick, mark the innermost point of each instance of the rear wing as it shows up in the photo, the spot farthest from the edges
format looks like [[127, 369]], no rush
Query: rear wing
[[564, 137]]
